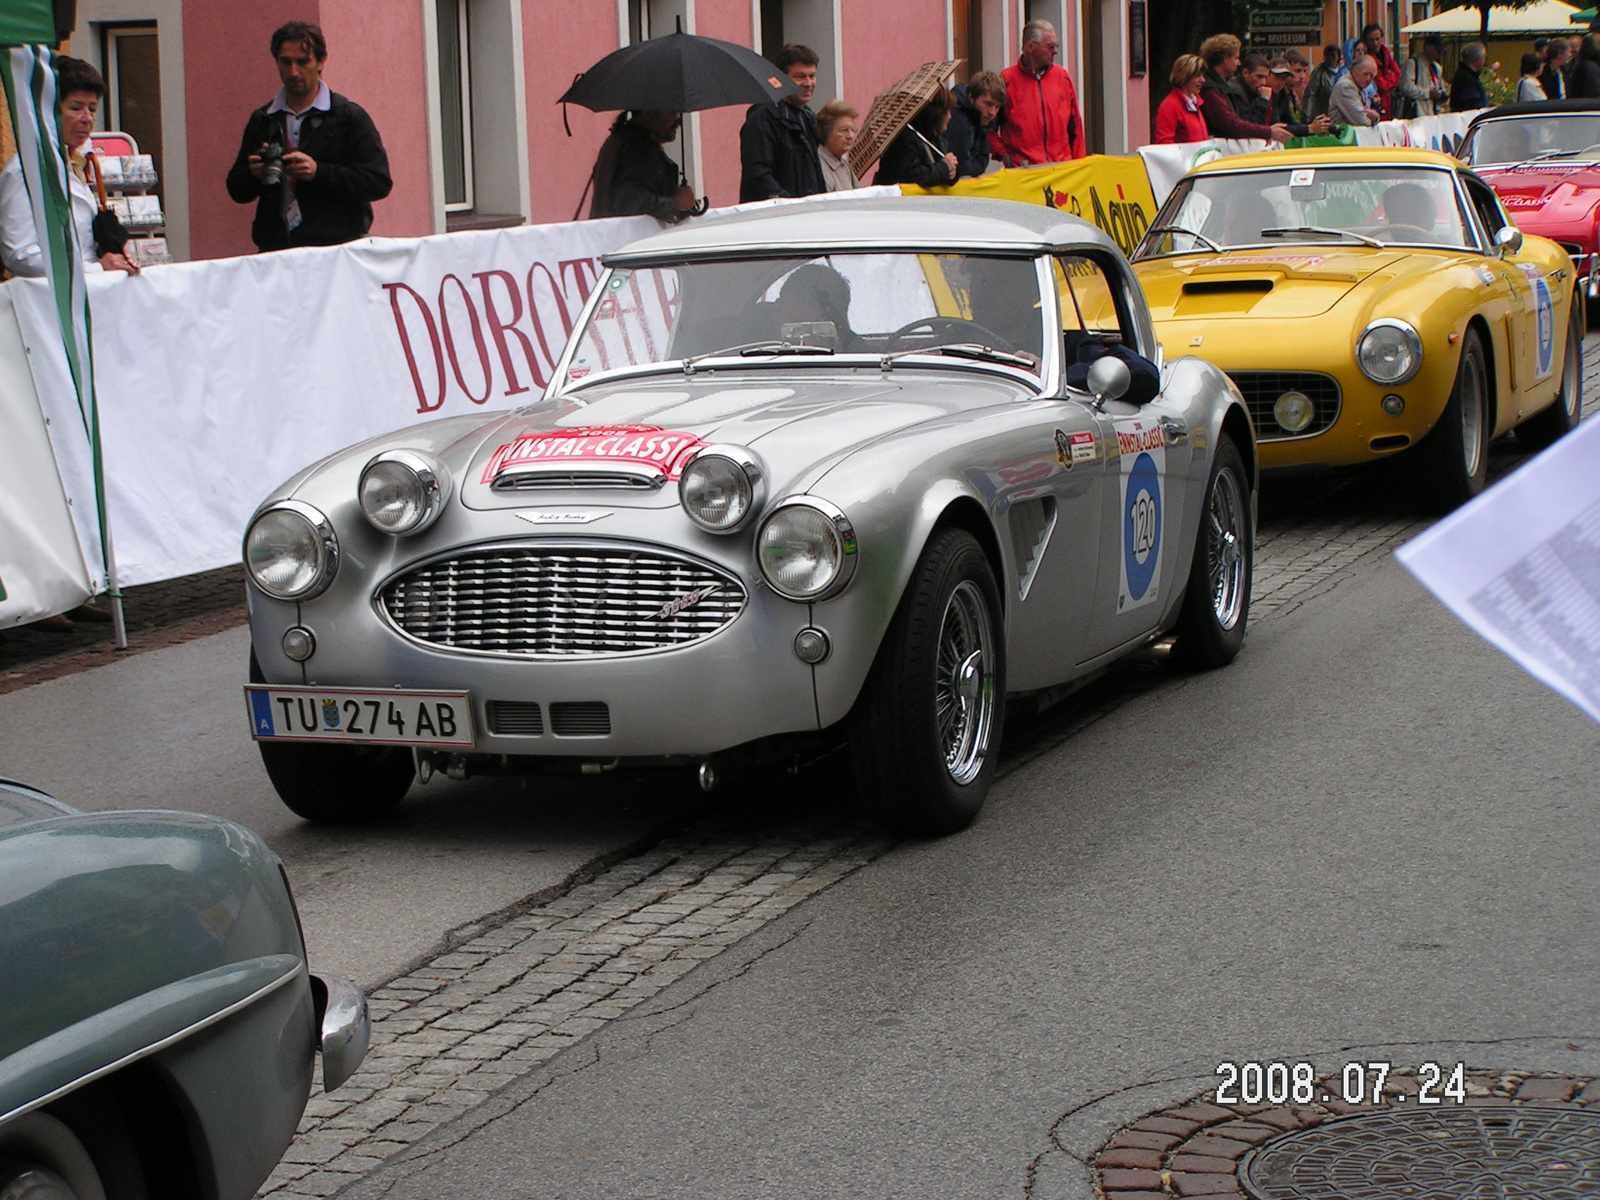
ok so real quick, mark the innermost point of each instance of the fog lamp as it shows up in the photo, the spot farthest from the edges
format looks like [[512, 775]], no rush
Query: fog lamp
[[299, 643], [811, 645], [1394, 405], [1293, 411]]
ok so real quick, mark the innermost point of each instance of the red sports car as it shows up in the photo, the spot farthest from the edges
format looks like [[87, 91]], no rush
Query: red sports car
[[1543, 159]]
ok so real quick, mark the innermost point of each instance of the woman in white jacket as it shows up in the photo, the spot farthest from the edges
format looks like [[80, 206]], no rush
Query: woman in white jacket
[[79, 87]]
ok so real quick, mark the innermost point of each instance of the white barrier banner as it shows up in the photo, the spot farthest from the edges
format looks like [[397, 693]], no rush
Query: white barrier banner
[[1168, 163], [218, 380], [42, 570]]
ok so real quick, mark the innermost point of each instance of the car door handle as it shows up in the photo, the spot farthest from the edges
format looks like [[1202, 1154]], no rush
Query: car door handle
[[1173, 431]]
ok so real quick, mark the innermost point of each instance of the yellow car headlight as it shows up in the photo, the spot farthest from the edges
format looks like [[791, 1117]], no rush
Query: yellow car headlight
[[1389, 351]]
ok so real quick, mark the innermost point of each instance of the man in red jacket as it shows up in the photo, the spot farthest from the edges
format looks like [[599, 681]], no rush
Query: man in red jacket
[[1042, 123]]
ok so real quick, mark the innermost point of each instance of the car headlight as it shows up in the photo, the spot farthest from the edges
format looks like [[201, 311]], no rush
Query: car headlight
[[1389, 351], [806, 549], [403, 491], [721, 486], [291, 551]]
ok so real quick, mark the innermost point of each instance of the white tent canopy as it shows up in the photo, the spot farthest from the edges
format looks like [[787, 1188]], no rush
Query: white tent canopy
[[1548, 16]]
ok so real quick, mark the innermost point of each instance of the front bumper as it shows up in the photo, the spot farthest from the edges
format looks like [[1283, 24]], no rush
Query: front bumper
[[741, 683]]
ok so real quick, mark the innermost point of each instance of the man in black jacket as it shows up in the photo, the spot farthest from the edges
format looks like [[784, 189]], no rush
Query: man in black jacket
[[634, 176], [778, 144], [332, 165]]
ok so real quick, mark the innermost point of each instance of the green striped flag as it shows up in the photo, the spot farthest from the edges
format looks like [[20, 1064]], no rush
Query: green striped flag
[[30, 86]]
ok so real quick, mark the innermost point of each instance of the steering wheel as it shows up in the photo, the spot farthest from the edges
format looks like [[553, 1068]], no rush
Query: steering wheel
[[1403, 233], [939, 325]]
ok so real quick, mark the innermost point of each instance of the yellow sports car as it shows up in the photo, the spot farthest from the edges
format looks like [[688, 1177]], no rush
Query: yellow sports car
[[1367, 301]]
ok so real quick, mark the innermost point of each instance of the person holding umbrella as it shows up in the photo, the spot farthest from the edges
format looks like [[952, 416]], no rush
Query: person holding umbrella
[[652, 83], [633, 176], [918, 154]]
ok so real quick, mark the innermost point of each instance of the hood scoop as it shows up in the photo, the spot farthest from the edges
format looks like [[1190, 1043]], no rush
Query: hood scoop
[[558, 476], [1215, 287]]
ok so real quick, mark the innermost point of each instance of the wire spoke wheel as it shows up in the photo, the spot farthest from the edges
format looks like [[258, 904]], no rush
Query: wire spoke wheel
[[964, 687], [1225, 550]]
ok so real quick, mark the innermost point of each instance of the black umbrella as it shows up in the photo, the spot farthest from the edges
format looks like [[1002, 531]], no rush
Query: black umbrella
[[678, 73]]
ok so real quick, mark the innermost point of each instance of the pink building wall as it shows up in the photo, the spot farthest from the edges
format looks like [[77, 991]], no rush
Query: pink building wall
[[561, 38]]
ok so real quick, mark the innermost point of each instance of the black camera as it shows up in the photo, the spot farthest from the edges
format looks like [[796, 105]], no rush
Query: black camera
[[272, 161]]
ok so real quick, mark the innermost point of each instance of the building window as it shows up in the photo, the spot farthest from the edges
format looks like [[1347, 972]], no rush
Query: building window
[[966, 30], [132, 57], [455, 104]]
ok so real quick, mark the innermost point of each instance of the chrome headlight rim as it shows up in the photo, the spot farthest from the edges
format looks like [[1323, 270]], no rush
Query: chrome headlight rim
[[1413, 340], [755, 474], [432, 476], [843, 531], [327, 542]]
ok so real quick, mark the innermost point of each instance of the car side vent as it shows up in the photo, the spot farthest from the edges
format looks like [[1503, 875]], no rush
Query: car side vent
[[1032, 522], [515, 718], [583, 718], [1219, 287]]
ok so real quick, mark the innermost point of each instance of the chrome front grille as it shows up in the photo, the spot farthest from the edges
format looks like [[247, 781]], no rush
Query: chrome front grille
[[1261, 390], [561, 602]]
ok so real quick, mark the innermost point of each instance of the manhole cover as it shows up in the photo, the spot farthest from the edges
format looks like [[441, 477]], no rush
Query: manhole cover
[[1490, 1153]]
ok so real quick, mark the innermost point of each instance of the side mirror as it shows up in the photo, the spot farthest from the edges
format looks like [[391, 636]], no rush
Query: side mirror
[[1108, 379], [1508, 239]]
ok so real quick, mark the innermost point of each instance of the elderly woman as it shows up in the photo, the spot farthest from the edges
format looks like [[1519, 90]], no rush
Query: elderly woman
[[1179, 118], [80, 88], [837, 126]]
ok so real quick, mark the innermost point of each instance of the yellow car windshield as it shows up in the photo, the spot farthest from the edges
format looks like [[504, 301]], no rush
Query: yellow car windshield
[[1293, 206]]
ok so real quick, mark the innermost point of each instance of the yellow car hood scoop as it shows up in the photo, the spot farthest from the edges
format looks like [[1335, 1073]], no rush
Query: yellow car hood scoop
[[1291, 283]]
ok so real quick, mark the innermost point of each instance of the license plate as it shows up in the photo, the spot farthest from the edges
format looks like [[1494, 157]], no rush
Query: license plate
[[380, 716]]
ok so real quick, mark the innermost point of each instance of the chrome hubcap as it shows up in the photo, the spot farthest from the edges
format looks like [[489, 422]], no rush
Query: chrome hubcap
[[1471, 415], [1225, 549], [964, 686], [1570, 369]]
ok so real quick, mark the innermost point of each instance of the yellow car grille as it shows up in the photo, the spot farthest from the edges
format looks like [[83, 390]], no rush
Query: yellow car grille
[[1261, 390]]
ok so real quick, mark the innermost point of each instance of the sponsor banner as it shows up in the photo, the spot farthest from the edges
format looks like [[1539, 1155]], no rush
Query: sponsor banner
[[647, 446], [1166, 164], [1142, 445], [1112, 192]]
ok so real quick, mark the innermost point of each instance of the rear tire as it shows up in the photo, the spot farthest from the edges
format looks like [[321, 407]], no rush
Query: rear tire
[[336, 784], [1216, 603], [1545, 428], [926, 736], [1457, 448]]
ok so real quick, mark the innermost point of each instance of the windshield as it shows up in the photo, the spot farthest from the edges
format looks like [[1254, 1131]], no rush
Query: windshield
[[838, 304], [1308, 205], [1570, 137]]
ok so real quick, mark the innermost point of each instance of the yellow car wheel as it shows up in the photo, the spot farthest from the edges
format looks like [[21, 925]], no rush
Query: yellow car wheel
[[1457, 448]]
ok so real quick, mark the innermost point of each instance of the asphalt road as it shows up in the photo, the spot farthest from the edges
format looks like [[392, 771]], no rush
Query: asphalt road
[[168, 729], [1371, 830]]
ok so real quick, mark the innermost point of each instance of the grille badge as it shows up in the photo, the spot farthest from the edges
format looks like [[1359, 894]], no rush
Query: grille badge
[[563, 516], [688, 600]]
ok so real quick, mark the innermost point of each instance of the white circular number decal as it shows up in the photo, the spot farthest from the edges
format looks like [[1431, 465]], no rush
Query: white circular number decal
[[1143, 514]]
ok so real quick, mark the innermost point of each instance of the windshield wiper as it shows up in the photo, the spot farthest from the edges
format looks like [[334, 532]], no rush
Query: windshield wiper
[[1544, 154], [752, 349], [962, 350], [1322, 229], [1199, 237]]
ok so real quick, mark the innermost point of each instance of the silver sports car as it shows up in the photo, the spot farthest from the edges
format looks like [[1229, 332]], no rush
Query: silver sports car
[[844, 472]]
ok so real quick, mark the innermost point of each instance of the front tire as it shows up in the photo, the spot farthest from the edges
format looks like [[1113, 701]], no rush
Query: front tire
[[926, 737], [1545, 428], [1457, 448], [1216, 603], [42, 1159], [336, 784]]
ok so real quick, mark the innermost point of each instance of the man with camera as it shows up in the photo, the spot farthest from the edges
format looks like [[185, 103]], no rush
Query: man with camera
[[311, 159]]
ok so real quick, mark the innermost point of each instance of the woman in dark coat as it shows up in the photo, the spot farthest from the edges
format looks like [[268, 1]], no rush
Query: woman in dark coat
[[912, 157], [1584, 82]]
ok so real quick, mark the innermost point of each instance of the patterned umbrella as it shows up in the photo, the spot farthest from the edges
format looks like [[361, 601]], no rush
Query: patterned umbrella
[[892, 112]]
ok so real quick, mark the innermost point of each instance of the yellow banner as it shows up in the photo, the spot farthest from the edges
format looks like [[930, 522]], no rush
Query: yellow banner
[[1111, 191]]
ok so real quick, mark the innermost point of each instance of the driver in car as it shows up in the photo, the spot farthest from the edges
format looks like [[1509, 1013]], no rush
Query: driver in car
[[813, 295], [1410, 212]]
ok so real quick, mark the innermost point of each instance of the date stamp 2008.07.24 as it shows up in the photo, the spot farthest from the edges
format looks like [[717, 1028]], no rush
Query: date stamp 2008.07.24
[[1358, 1083]]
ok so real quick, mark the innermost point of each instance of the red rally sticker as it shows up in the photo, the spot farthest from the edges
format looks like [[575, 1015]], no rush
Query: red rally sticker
[[645, 445]]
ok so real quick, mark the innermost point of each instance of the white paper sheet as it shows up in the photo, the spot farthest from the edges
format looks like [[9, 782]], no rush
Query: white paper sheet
[[1521, 566]]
